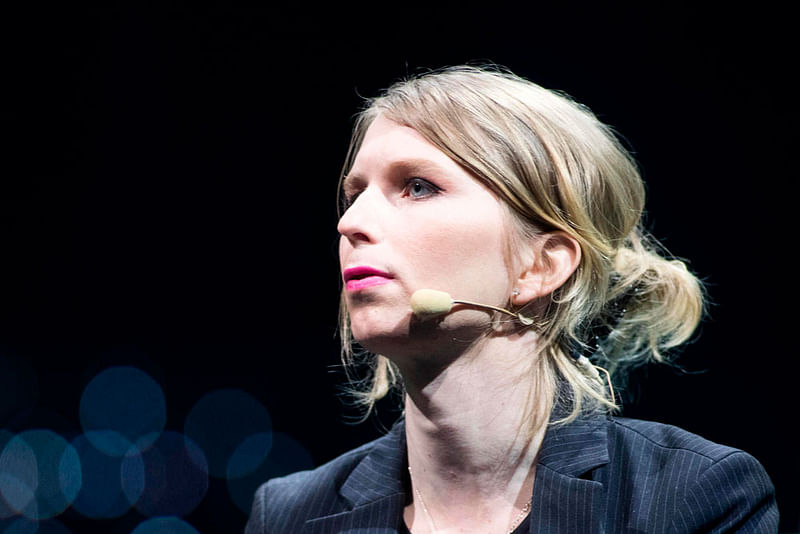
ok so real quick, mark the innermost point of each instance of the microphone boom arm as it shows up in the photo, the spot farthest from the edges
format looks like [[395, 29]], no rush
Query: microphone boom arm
[[527, 321]]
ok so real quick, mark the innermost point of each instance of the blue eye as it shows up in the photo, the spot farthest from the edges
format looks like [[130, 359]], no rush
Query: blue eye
[[420, 188]]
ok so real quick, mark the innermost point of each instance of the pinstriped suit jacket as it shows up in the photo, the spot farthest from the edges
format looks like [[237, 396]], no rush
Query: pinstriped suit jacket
[[596, 475]]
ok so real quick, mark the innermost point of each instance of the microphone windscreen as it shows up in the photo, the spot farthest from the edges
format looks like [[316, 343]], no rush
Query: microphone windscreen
[[430, 302]]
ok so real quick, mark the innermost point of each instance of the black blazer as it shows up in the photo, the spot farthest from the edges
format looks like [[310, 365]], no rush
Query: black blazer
[[594, 475]]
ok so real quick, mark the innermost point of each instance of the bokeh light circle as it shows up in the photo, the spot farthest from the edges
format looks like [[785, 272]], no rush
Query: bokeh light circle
[[165, 525], [249, 455], [25, 525], [40, 474], [5, 509], [286, 456], [19, 476], [175, 476], [121, 406], [221, 422], [111, 484]]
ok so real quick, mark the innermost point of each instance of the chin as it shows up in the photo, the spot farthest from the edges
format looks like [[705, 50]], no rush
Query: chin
[[379, 341], [429, 340], [370, 322]]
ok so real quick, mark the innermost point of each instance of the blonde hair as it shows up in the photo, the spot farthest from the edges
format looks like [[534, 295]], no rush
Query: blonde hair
[[558, 168]]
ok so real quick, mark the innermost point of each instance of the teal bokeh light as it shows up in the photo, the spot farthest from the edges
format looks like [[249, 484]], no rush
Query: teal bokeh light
[[122, 406], [221, 422], [40, 474]]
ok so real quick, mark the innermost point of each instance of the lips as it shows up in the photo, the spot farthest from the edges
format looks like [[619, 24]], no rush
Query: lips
[[362, 277]]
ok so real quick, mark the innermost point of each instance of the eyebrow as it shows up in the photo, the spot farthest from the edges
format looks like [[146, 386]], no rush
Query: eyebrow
[[349, 181], [408, 165]]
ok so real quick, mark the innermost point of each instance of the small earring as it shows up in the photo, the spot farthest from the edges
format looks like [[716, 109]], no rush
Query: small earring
[[515, 292]]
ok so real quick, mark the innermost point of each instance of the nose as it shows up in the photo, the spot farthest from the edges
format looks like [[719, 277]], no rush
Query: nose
[[360, 222]]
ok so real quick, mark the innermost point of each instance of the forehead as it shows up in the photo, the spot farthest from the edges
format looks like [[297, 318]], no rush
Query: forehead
[[382, 129], [388, 145]]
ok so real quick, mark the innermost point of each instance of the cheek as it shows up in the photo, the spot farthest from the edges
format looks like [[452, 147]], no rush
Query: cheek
[[464, 256]]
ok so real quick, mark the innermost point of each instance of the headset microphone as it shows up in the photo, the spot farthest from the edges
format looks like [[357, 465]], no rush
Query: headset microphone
[[428, 303]]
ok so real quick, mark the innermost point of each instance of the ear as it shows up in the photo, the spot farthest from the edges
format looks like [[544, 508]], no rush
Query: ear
[[550, 261]]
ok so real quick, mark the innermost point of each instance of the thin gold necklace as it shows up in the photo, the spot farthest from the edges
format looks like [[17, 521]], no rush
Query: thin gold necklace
[[432, 526]]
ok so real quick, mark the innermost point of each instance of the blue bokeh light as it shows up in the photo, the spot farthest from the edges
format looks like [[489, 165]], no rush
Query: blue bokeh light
[[110, 484], [40, 474], [127, 461], [19, 476], [221, 422], [24, 525], [121, 406], [249, 454], [165, 525], [6, 510], [175, 476], [286, 456]]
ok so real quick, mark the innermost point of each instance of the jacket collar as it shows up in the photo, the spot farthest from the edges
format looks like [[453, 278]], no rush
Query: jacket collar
[[382, 473], [376, 488], [566, 498], [575, 448]]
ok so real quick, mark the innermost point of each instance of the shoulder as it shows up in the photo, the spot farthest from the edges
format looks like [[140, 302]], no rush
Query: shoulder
[[283, 504], [696, 483], [665, 440]]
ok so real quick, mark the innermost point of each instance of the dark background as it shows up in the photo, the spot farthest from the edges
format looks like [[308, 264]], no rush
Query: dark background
[[168, 184]]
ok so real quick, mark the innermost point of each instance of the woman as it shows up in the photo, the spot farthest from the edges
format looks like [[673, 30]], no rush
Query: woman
[[489, 189]]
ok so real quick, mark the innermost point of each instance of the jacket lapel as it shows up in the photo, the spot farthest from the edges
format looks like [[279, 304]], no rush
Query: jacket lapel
[[565, 498], [375, 491]]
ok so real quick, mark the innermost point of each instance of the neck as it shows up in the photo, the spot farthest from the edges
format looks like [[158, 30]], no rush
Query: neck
[[473, 432]]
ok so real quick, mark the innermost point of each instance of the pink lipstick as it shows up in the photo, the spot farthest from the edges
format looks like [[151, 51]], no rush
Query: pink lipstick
[[362, 277]]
